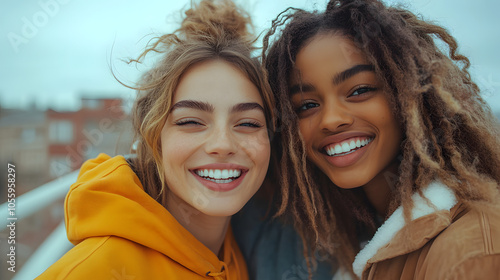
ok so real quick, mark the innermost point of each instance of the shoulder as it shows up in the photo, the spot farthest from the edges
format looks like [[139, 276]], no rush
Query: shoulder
[[470, 245], [484, 267], [271, 246], [75, 259], [101, 258], [475, 230]]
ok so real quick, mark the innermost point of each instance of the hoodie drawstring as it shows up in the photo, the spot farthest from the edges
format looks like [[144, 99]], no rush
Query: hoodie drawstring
[[224, 268], [238, 271], [219, 275], [216, 275]]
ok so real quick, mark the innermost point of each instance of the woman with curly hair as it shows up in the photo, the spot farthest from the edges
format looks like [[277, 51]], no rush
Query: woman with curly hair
[[202, 120], [389, 158]]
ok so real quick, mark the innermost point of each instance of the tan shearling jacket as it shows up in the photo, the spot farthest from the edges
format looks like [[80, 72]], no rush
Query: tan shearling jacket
[[445, 240]]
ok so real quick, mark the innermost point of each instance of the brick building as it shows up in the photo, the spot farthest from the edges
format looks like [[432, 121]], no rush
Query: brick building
[[45, 145], [100, 126]]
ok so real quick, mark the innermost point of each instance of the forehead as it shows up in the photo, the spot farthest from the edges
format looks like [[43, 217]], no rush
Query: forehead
[[216, 81], [328, 52]]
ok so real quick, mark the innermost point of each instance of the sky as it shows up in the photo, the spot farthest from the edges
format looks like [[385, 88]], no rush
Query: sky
[[53, 52]]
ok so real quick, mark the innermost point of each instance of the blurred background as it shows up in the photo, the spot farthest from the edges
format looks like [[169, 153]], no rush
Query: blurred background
[[61, 105]]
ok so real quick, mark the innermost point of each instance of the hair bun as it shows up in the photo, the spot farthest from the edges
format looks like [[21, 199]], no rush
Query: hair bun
[[213, 18]]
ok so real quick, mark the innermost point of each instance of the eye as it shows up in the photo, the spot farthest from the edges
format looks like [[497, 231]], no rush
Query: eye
[[187, 122], [362, 90], [306, 105], [251, 124]]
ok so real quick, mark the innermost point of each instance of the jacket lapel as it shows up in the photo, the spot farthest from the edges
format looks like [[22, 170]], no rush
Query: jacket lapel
[[430, 215]]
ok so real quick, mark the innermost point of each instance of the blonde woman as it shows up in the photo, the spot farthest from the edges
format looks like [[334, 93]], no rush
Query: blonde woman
[[202, 118]]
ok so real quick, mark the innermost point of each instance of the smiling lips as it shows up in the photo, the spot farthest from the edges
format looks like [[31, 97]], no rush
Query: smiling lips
[[346, 152], [348, 146], [220, 176]]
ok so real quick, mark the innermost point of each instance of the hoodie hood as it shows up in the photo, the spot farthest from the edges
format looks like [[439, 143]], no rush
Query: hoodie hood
[[108, 200]]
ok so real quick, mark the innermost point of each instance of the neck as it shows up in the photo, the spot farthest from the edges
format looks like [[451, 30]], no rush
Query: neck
[[209, 230], [379, 189]]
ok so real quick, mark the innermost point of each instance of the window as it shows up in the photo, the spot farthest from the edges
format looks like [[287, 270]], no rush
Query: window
[[61, 132], [92, 104], [28, 135]]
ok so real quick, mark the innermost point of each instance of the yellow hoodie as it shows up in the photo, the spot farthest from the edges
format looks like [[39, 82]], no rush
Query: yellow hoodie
[[120, 232]]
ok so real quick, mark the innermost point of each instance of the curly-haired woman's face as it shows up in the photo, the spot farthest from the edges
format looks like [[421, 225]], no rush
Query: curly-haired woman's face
[[345, 117], [215, 145]]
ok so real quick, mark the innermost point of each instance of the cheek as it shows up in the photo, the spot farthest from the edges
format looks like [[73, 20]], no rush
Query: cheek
[[392, 130], [396, 134], [261, 158], [175, 150], [390, 120], [257, 147]]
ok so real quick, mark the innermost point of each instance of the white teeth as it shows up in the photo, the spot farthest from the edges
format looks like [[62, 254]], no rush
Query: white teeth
[[219, 175], [347, 146], [338, 149], [352, 145]]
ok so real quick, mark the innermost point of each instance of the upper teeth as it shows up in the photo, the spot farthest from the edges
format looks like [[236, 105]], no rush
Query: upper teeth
[[219, 173], [347, 146]]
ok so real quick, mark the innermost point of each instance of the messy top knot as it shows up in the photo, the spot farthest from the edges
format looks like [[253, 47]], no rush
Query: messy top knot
[[208, 19], [210, 30], [214, 22]]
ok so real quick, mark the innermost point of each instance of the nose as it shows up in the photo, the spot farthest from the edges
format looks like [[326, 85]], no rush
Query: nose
[[335, 116], [221, 142]]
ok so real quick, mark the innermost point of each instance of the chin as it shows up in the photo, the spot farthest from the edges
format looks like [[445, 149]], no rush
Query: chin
[[346, 184], [221, 211]]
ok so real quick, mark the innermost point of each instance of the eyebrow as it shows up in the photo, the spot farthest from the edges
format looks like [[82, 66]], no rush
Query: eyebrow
[[207, 107], [344, 75], [337, 79], [193, 104], [246, 107]]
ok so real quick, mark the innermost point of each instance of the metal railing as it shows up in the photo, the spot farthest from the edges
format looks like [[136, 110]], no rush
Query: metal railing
[[56, 244]]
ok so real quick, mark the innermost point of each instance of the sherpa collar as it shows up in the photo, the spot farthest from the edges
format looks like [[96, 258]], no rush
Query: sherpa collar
[[442, 199]]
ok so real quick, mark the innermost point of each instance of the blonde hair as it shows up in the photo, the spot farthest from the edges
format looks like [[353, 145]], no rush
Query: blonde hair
[[211, 30]]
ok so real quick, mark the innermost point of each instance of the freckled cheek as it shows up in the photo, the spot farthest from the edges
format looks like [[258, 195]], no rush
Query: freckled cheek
[[257, 146], [175, 150]]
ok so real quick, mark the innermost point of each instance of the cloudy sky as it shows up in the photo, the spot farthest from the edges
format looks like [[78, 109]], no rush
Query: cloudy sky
[[52, 52]]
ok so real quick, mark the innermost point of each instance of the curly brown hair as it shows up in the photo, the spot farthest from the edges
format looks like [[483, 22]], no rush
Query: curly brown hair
[[210, 30], [449, 130]]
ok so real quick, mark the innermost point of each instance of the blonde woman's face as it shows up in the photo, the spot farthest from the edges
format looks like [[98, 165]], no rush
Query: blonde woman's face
[[345, 116], [215, 145]]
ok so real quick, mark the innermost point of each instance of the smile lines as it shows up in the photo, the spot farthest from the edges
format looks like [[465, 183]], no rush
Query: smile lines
[[347, 146], [220, 176]]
